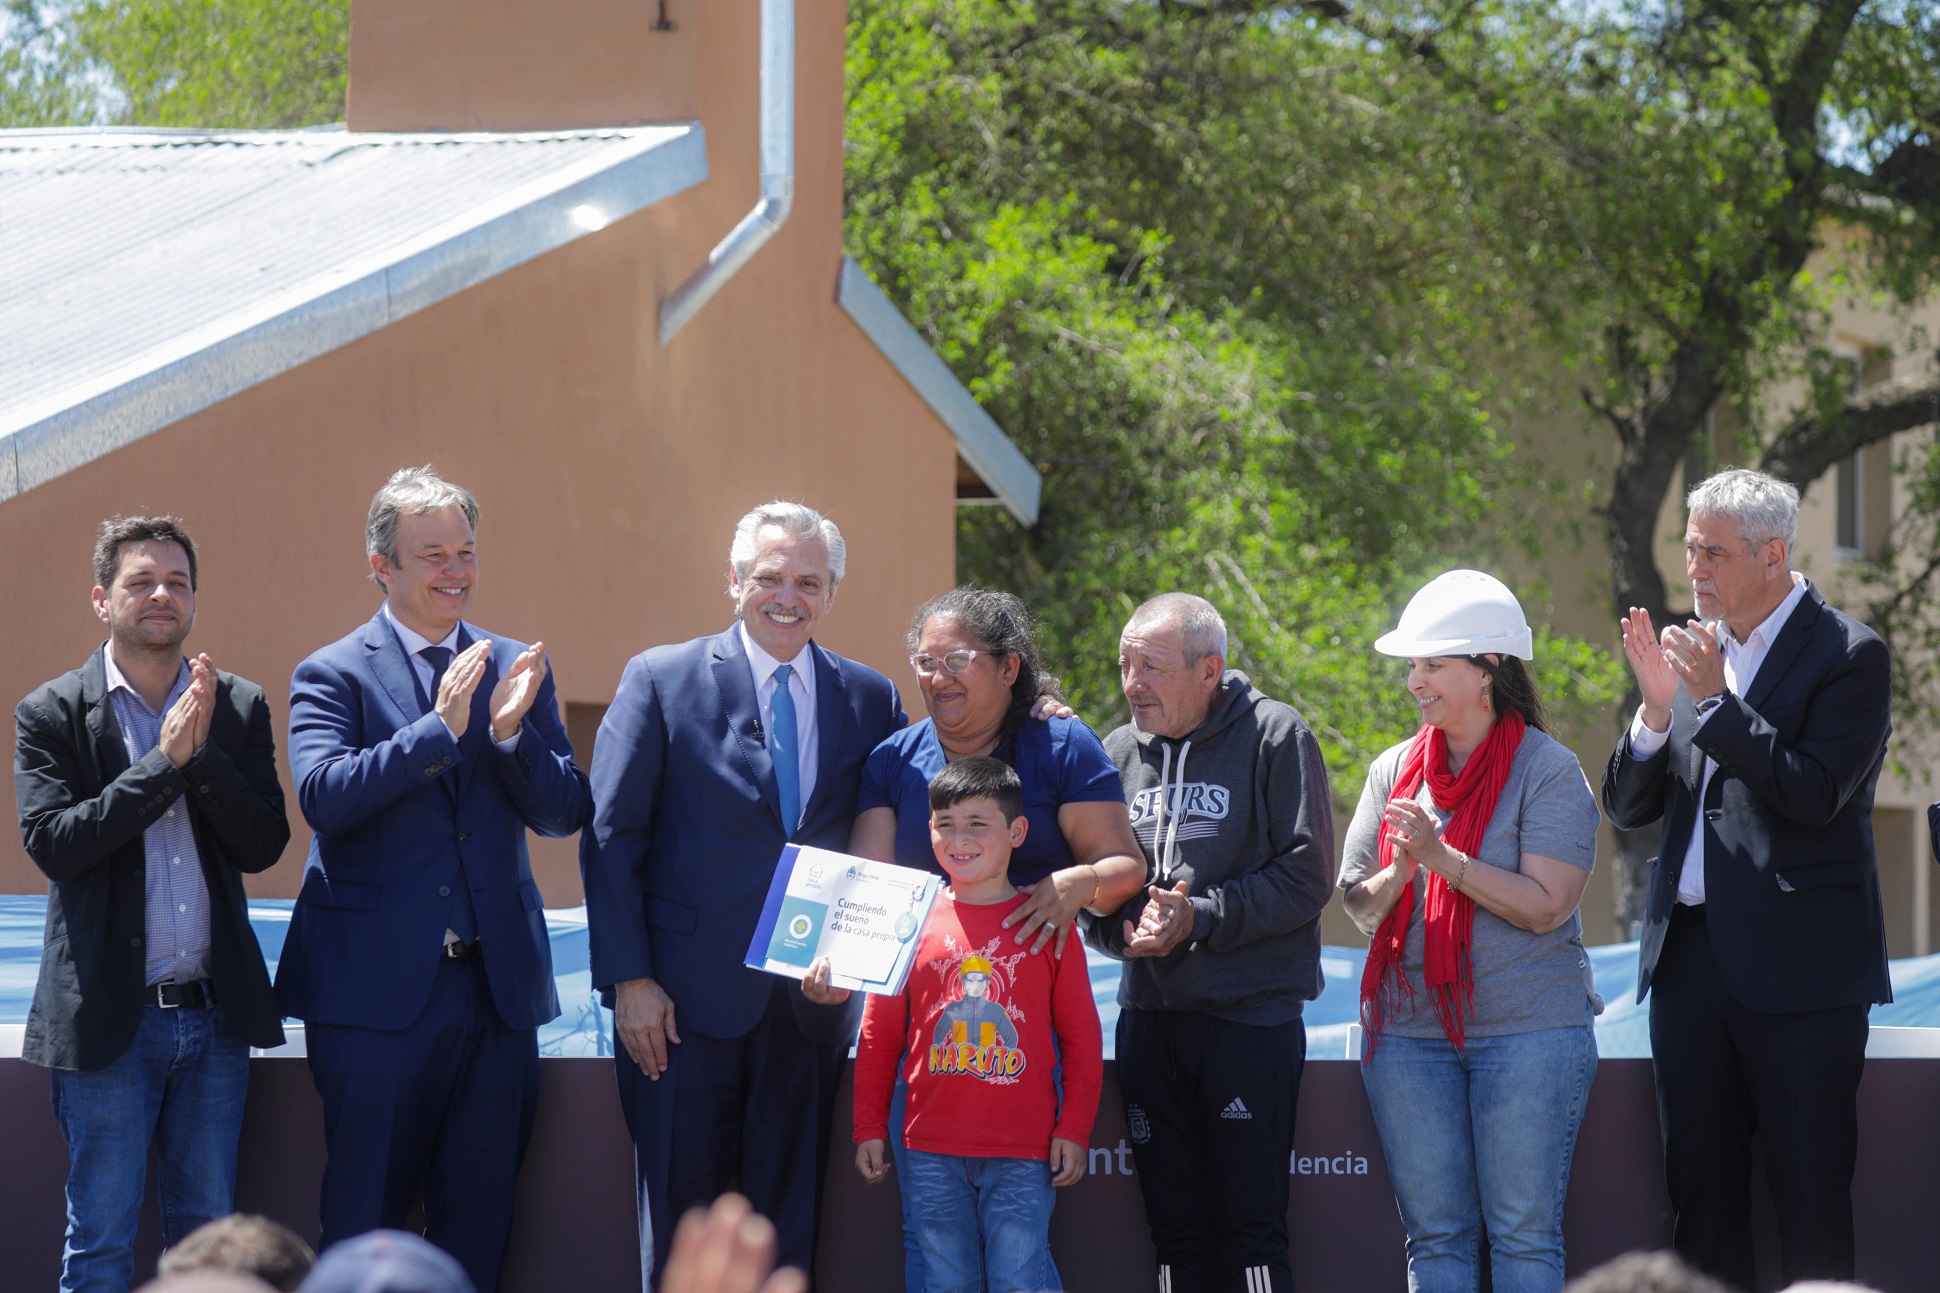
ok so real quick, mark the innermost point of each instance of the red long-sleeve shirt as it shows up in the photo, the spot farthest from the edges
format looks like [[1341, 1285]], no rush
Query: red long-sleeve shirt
[[974, 1027]]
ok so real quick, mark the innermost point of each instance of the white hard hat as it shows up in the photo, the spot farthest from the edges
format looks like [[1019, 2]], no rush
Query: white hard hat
[[1463, 612]]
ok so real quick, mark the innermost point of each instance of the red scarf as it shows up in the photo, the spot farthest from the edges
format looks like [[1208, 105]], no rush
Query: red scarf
[[1448, 924]]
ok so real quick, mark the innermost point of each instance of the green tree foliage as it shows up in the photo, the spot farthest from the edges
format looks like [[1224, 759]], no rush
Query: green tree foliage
[[41, 73], [1222, 282], [1710, 178], [244, 64], [1707, 179], [1228, 306], [240, 63]]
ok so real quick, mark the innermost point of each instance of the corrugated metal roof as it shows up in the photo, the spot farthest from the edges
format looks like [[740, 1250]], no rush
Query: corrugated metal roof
[[148, 274]]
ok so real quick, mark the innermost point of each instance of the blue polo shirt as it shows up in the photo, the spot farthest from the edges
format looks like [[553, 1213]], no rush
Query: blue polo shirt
[[1060, 762]]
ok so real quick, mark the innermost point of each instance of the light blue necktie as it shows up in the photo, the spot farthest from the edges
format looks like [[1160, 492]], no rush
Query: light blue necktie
[[786, 750]]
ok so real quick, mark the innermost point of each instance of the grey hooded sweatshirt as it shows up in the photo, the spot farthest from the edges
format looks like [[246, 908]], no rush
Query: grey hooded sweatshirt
[[1241, 812]]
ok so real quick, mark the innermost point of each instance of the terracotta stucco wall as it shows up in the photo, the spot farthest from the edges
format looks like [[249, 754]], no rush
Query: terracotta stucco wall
[[610, 470]]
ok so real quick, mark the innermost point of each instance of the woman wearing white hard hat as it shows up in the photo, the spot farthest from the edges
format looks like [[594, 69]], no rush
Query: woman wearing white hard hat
[[1464, 863]]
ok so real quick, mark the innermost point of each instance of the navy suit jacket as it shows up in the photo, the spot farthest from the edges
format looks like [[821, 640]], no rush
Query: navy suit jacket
[[1790, 878], [687, 825], [402, 814]]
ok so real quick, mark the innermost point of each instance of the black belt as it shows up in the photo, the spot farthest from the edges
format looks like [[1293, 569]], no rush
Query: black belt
[[1690, 911], [170, 995], [460, 951]]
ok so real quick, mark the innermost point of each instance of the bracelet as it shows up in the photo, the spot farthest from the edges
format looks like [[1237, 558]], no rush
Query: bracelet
[[1097, 883], [1460, 872]]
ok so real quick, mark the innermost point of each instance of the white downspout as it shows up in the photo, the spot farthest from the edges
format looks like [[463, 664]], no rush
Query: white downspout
[[777, 174]]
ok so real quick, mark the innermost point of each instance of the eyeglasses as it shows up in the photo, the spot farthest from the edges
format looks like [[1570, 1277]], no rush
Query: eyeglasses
[[955, 661]]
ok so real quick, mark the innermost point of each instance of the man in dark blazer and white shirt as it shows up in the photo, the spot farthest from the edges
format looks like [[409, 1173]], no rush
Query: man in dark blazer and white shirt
[[1758, 745], [147, 789], [423, 749], [714, 755]]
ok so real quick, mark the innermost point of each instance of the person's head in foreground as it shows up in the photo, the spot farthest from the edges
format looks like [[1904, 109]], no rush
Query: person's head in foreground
[[206, 1282], [976, 820], [1645, 1273], [387, 1261], [242, 1242]]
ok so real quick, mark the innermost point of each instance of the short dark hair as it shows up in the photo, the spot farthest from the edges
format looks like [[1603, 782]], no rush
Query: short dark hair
[[980, 778], [243, 1242], [117, 530]]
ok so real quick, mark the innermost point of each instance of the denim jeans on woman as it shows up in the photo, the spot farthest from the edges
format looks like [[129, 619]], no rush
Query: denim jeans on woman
[[1480, 1139], [180, 1084]]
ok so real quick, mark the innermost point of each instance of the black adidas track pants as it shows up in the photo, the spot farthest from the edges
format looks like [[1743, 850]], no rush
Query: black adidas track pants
[[1209, 1108]]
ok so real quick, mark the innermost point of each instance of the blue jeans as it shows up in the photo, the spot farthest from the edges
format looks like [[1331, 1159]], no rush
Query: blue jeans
[[1482, 1138], [982, 1223], [180, 1084], [912, 1253]]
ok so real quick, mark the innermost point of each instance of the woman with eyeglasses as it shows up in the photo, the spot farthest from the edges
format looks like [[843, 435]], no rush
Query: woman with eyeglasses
[[976, 662]]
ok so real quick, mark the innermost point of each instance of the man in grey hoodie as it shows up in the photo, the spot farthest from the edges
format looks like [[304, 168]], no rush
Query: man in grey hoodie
[[1229, 799]]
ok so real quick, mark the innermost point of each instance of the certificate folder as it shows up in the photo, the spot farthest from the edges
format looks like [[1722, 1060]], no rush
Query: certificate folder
[[864, 916]]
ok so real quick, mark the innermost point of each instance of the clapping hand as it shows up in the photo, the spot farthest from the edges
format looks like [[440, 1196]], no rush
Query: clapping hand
[[1416, 837], [1165, 922], [185, 728], [460, 681], [1656, 679], [202, 673], [1696, 659], [517, 690]]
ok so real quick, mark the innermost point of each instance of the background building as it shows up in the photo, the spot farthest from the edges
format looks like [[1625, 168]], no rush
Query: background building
[[252, 330]]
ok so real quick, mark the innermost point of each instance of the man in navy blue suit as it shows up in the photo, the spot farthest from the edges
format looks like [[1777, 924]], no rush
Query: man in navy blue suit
[[714, 755], [422, 750]]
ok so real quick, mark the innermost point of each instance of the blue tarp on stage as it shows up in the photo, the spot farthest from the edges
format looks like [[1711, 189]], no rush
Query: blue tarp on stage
[[584, 1029]]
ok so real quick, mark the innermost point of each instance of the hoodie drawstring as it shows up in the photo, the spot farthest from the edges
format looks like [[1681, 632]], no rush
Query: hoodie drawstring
[[1166, 843]]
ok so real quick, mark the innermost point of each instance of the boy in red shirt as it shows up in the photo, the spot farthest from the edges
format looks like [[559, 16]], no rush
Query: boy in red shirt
[[983, 1028]]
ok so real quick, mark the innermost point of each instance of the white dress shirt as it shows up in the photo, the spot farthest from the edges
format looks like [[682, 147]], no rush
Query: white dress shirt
[[415, 642], [801, 685], [1741, 664]]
